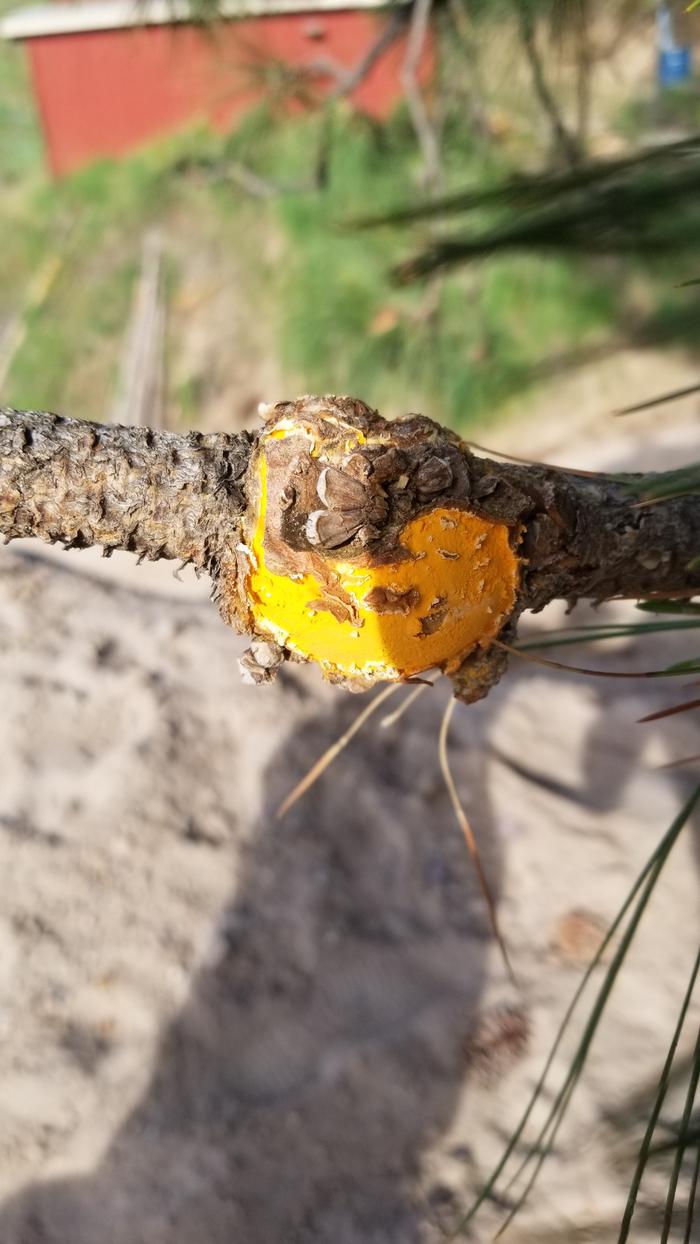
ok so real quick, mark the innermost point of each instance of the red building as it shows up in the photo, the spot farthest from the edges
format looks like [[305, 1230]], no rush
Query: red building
[[109, 75]]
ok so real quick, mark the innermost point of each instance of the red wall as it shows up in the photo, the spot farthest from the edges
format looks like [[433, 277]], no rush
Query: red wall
[[102, 93]]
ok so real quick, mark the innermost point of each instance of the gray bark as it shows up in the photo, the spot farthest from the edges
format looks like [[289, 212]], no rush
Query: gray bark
[[588, 536], [156, 494], [164, 495]]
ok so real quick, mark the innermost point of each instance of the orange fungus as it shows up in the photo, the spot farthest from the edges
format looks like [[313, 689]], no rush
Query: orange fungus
[[451, 587]]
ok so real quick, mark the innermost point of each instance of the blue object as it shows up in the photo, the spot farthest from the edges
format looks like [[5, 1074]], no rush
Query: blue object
[[674, 67], [674, 62]]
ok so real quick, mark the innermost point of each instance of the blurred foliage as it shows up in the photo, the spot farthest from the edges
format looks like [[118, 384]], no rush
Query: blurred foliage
[[20, 142], [461, 348], [94, 221], [605, 207], [676, 108]]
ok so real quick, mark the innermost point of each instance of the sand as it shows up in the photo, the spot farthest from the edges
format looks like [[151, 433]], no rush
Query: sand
[[221, 1028]]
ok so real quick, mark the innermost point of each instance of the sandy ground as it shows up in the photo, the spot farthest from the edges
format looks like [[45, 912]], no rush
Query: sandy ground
[[220, 1028]]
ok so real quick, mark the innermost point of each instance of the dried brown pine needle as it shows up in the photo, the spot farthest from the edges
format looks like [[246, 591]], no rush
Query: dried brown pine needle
[[469, 835], [579, 669], [334, 750], [392, 718], [670, 712]]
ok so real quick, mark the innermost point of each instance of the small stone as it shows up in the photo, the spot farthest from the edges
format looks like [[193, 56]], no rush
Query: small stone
[[578, 936]]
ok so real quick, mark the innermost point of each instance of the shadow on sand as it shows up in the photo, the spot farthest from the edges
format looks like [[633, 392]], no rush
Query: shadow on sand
[[323, 1048]]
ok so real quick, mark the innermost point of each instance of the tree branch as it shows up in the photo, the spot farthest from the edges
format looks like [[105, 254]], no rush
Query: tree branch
[[424, 129], [564, 142], [349, 77], [324, 498], [153, 493]]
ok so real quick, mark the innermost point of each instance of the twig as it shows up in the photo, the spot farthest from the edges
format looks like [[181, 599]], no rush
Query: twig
[[470, 840], [581, 669], [140, 390], [473, 87], [392, 718], [333, 751], [348, 78], [425, 132], [564, 143]]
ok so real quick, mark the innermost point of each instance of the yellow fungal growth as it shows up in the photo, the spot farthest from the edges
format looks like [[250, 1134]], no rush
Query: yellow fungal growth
[[451, 587]]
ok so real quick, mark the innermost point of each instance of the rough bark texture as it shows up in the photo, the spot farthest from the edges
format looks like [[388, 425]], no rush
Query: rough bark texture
[[153, 493], [588, 536], [162, 495]]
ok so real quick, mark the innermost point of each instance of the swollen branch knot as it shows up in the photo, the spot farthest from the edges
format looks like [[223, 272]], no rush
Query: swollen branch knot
[[379, 550], [362, 551]]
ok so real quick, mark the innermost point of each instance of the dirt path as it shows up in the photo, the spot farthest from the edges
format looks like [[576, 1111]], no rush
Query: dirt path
[[217, 1028]]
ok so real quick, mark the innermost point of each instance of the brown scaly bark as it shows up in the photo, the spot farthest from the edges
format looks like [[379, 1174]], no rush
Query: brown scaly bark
[[156, 494], [191, 497]]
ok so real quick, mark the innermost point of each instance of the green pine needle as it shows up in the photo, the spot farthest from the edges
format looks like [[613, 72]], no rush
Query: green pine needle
[[646, 1147], [593, 634], [662, 486], [682, 1144], [671, 606], [540, 1148]]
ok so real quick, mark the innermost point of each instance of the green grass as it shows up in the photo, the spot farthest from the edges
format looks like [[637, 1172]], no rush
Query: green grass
[[459, 349], [67, 362], [20, 141], [95, 221], [675, 107], [67, 359], [463, 349]]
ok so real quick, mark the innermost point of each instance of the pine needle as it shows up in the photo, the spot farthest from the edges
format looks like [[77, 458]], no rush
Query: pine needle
[[594, 633], [672, 602], [676, 764], [656, 1110], [688, 1236], [333, 751], [670, 712], [539, 1149], [469, 836], [549, 466], [544, 1143], [593, 673], [392, 718], [658, 401], [682, 1142]]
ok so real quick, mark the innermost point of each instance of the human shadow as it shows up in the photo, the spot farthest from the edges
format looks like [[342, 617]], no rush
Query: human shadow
[[323, 1046], [325, 1042]]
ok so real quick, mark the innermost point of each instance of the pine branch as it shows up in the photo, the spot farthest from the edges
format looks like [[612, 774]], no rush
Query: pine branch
[[153, 493], [306, 529]]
